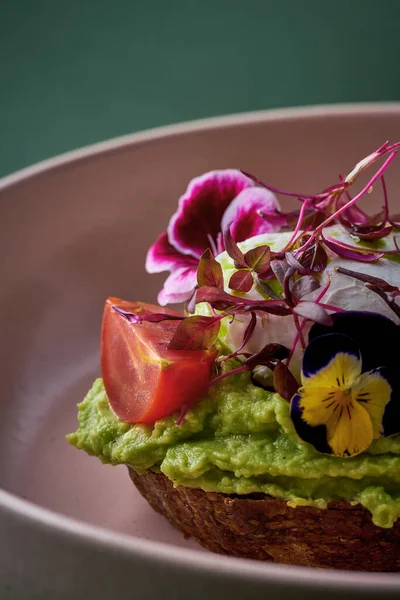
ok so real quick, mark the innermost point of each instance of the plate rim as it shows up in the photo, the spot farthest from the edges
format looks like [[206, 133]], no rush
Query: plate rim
[[88, 534], [192, 126], [73, 529]]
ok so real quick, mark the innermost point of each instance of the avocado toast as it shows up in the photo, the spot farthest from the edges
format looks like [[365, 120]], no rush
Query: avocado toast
[[264, 420]]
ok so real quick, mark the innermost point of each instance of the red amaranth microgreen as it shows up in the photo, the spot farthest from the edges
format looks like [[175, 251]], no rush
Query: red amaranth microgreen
[[287, 281], [241, 281], [382, 288], [395, 221], [383, 285], [298, 224], [352, 252], [314, 259], [279, 269], [296, 341], [221, 300], [325, 288], [280, 219], [305, 285], [190, 305], [299, 328], [196, 333], [265, 289], [247, 335], [305, 321], [294, 264], [258, 259], [223, 376], [268, 356], [391, 303], [358, 223], [209, 271], [367, 232], [276, 190], [217, 298], [345, 207], [233, 249], [386, 215], [324, 200], [354, 212], [135, 318], [285, 384]]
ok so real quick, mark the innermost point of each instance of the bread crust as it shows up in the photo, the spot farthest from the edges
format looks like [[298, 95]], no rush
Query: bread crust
[[265, 528]]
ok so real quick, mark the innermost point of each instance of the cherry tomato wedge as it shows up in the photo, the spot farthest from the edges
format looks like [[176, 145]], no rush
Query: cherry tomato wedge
[[144, 380]]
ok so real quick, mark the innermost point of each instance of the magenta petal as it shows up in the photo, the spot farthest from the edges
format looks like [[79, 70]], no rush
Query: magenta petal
[[163, 257], [178, 287], [163, 298], [201, 208], [243, 214]]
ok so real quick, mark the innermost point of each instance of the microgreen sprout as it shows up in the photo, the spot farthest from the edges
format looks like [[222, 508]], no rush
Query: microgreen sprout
[[288, 282]]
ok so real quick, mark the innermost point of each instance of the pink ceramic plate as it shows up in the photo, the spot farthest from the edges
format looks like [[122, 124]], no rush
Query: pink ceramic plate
[[74, 230]]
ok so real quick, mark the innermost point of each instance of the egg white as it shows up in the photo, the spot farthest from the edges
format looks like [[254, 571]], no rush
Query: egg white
[[344, 292]]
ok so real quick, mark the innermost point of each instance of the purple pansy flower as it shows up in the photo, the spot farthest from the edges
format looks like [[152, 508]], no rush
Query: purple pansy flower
[[211, 202], [350, 384]]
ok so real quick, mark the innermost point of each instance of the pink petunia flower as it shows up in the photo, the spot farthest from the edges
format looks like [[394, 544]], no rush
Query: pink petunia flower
[[211, 202]]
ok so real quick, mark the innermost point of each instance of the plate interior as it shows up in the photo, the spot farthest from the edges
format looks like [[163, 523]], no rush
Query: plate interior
[[76, 233]]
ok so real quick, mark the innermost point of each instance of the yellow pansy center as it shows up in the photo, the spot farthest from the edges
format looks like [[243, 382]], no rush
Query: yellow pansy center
[[349, 403], [341, 398]]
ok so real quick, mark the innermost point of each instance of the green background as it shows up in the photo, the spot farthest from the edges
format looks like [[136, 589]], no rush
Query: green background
[[80, 71]]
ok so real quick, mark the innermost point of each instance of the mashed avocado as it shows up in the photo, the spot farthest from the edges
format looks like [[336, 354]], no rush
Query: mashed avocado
[[240, 440]]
